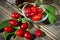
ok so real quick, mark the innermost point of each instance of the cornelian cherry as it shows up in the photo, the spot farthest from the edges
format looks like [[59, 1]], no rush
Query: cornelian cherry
[[24, 26], [8, 29], [13, 22], [38, 33], [29, 15], [20, 32], [32, 14], [34, 9], [27, 10], [37, 17], [27, 35], [15, 15], [39, 11]]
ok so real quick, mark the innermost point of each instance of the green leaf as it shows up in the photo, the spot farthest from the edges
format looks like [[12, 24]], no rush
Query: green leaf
[[30, 26], [24, 20], [19, 19], [17, 27], [3, 24], [51, 17], [22, 4], [8, 35], [51, 9], [25, 2], [19, 5]]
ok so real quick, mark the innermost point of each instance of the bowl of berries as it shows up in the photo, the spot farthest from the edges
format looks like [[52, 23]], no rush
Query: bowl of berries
[[34, 13]]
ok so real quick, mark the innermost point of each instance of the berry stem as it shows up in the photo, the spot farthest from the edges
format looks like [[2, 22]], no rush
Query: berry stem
[[41, 2], [22, 4], [17, 27], [19, 19], [35, 2]]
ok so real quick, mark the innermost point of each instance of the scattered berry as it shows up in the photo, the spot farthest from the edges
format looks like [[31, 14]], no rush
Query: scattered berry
[[8, 29], [13, 22], [15, 15], [27, 35], [38, 33], [24, 26], [20, 32]]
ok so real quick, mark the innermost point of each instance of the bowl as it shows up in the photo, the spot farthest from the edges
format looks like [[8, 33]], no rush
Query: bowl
[[43, 18]]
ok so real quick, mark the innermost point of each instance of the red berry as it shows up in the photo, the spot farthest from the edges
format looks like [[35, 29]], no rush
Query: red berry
[[15, 15], [29, 39], [27, 10], [32, 14], [38, 33], [27, 35], [24, 26], [37, 17], [34, 9], [20, 32], [39, 14], [13, 22], [39, 11], [29, 15], [8, 29]]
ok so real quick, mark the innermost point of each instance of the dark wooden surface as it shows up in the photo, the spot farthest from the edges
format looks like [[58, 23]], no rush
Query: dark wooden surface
[[52, 32]]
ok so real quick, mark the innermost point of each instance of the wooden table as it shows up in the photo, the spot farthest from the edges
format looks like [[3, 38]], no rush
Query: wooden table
[[52, 31]]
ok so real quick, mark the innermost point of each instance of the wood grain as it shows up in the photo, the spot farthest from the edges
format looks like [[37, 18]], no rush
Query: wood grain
[[52, 32]]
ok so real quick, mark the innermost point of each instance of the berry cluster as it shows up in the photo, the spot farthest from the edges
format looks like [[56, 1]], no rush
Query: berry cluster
[[21, 32], [34, 13]]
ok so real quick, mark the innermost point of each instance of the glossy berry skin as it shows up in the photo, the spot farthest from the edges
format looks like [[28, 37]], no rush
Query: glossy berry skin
[[39, 14], [29, 15], [36, 17], [20, 32], [34, 9], [15, 15], [38, 33], [39, 11], [32, 14], [13, 22], [27, 10], [8, 29], [24, 26], [27, 35]]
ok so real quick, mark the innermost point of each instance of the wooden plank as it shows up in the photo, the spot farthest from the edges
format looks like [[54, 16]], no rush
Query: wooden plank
[[52, 32]]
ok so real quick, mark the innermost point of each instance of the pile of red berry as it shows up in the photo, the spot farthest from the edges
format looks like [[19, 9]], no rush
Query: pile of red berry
[[34, 13], [22, 30]]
